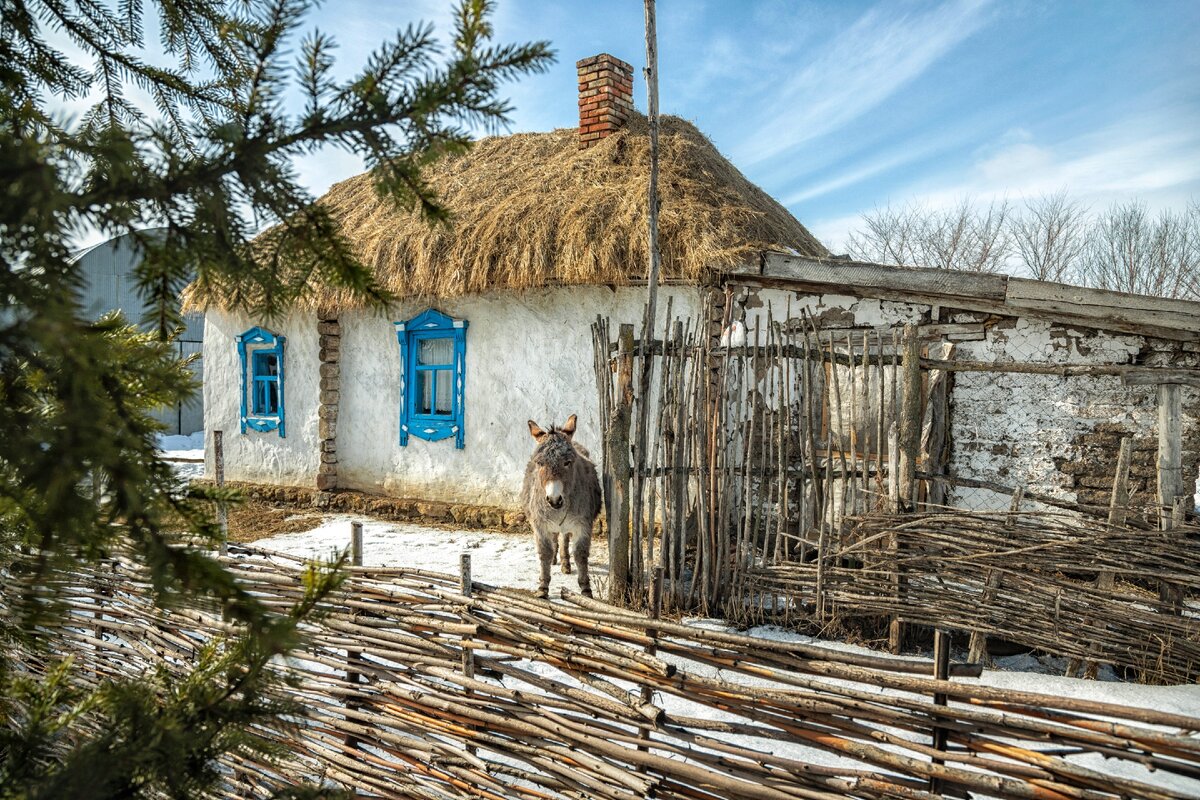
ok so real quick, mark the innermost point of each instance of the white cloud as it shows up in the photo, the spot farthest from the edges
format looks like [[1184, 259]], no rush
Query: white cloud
[[859, 69], [1143, 158], [834, 232]]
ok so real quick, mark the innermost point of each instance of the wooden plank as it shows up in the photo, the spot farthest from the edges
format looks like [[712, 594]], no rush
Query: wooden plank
[[1148, 308], [837, 274], [1099, 309], [1149, 376]]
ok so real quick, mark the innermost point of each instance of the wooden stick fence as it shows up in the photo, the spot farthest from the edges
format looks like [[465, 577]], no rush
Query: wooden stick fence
[[1030, 578], [762, 455], [582, 699]]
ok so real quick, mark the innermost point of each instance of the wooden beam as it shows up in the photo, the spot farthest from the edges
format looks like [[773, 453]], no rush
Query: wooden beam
[[1151, 376], [931, 282], [1099, 309]]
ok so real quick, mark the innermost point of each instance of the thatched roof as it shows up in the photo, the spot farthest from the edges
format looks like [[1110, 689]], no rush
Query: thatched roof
[[532, 210]]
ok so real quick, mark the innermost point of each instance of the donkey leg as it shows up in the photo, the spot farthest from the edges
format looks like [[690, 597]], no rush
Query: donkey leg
[[582, 549], [546, 545], [566, 552]]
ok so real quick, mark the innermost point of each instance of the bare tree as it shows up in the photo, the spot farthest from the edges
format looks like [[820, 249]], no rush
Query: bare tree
[[1050, 237], [1130, 251], [964, 237], [889, 236]]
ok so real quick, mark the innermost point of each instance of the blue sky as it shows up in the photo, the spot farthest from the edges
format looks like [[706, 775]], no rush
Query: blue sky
[[837, 107]]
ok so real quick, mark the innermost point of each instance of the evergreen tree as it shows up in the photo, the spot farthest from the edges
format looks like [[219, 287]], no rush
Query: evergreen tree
[[210, 164]]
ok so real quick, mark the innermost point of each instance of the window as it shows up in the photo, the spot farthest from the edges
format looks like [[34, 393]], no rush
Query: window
[[433, 349], [261, 355]]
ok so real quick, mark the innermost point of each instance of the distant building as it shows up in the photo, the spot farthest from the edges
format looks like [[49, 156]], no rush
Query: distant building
[[110, 285]]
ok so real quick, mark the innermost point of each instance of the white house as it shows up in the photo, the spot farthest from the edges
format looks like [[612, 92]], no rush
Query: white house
[[491, 328]]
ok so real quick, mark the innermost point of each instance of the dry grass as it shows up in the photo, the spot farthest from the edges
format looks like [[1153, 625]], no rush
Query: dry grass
[[533, 210], [254, 520]]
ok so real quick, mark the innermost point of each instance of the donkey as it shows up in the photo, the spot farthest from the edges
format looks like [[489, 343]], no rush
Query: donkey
[[562, 499]]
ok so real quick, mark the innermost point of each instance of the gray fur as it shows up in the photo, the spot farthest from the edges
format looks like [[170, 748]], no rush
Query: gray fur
[[558, 457]]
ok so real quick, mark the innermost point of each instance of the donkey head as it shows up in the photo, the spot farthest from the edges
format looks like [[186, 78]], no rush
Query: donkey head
[[553, 459]]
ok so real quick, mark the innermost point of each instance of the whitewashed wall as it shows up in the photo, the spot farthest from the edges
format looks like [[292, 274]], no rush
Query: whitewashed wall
[[529, 356], [262, 456]]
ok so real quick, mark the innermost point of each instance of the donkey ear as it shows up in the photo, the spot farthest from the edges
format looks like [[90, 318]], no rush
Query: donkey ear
[[535, 431], [569, 428]]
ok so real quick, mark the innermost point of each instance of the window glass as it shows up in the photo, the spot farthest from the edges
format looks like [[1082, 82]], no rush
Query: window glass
[[445, 397], [435, 392], [265, 364], [435, 352]]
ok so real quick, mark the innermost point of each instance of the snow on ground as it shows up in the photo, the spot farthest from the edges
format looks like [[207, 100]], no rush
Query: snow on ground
[[501, 559], [190, 446]]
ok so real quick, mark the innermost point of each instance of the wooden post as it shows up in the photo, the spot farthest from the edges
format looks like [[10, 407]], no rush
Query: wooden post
[[1118, 509], [656, 586], [356, 544], [642, 422], [1170, 450], [895, 626], [468, 654], [616, 477], [464, 583], [1170, 472], [352, 656], [911, 416], [941, 672], [977, 647], [1118, 505], [219, 464], [909, 445]]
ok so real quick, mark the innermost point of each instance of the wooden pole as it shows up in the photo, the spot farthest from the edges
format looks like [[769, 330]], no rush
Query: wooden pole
[[910, 417], [941, 671], [656, 587], [466, 587], [352, 656], [642, 423], [977, 646], [219, 464], [1170, 473], [1118, 508], [616, 477], [1170, 450]]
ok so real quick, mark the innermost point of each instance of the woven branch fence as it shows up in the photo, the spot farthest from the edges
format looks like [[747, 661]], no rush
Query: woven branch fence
[[768, 464], [418, 687], [1054, 582]]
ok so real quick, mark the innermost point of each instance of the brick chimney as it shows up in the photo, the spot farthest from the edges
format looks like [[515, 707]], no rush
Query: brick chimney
[[605, 97]]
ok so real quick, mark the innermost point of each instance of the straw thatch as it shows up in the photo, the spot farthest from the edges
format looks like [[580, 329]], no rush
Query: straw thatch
[[532, 210]]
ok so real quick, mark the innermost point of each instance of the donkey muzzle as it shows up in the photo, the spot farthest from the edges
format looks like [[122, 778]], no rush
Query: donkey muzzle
[[554, 494]]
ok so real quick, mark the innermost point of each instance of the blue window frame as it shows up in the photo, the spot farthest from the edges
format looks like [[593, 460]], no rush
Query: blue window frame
[[261, 356], [433, 357]]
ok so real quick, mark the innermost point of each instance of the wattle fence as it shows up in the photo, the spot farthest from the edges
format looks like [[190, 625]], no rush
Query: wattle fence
[[421, 685]]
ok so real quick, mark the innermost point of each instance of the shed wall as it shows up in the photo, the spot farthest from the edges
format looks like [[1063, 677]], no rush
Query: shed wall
[[1056, 436]]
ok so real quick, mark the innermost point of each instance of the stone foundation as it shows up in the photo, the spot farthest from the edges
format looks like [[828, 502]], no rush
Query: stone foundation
[[391, 508]]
